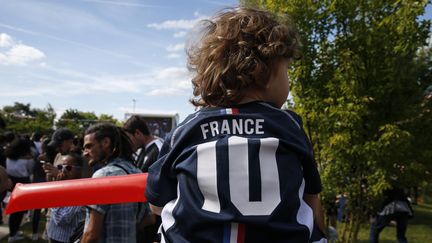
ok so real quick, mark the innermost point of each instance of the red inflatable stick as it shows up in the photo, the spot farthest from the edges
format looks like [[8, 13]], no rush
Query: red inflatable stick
[[80, 192]]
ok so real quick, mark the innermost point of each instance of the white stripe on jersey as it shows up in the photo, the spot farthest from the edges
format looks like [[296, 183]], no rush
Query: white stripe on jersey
[[270, 188], [305, 213], [162, 237], [234, 232], [166, 215], [239, 176], [207, 176], [323, 240]]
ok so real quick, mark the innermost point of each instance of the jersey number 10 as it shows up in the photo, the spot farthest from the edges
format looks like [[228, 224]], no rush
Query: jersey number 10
[[239, 176]]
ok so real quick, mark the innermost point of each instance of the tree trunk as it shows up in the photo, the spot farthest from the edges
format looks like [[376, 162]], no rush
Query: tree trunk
[[345, 229], [346, 237], [350, 229], [357, 229]]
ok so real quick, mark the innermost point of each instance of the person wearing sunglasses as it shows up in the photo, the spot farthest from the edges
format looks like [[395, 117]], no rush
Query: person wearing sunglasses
[[67, 168], [64, 220]]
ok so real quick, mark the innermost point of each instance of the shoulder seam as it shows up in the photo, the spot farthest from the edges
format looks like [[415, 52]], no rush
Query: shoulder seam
[[178, 128], [286, 113]]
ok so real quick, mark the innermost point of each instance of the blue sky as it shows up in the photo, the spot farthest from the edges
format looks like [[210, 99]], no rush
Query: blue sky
[[100, 55]]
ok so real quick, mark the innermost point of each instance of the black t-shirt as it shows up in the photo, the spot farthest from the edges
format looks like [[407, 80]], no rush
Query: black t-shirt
[[148, 155], [228, 174], [2, 157]]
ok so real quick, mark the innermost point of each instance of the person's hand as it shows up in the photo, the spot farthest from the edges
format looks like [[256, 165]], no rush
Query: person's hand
[[50, 171], [43, 157], [62, 176]]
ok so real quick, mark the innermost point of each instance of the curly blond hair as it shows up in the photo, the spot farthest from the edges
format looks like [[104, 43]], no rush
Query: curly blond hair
[[236, 51]]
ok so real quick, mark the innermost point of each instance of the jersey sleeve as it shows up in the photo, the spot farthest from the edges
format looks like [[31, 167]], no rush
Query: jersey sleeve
[[310, 169], [161, 181], [312, 177]]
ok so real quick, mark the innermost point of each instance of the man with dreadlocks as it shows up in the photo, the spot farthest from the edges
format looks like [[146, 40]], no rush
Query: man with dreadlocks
[[108, 145]]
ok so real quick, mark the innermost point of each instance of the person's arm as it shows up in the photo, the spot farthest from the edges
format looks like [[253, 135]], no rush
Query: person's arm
[[162, 181], [314, 202], [5, 182], [149, 219], [155, 209], [93, 231]]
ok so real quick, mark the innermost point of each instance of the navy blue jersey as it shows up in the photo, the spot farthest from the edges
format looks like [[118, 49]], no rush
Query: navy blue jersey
[[235, 175]]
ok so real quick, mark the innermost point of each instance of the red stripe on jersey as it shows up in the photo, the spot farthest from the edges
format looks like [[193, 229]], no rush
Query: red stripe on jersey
[[241, 232], [235, 111]]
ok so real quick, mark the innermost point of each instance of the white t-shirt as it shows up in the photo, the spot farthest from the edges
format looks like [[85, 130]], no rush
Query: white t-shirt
[[19, 168]]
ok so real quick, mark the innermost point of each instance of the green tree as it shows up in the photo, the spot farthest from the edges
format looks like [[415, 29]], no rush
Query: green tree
[[78, 121], [360, 90], [21, 118], [109, 118]]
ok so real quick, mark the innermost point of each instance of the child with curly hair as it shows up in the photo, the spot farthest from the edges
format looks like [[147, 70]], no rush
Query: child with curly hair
[[239, 169]]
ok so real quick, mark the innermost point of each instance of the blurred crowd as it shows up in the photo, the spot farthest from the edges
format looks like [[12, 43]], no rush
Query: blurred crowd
[[104, 150]]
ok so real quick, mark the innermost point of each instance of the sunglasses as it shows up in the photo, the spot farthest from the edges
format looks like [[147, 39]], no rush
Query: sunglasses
[[67, 167]]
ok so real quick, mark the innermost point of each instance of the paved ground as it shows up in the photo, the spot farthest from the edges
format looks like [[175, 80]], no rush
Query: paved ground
[[4, 228], [4, 231]]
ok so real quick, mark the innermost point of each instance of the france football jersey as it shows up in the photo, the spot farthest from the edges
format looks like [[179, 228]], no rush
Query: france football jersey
[[235, 175]]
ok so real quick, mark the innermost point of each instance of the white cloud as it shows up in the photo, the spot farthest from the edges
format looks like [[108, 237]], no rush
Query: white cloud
[[219, 3], [75, 82], [173, 24], [180, 24], [174, 50], [60, 82], [43, 64], [180, 34], [148, 110], [181, 28], [186, 84], [16, 53], [22, 54], [5, 40], [173, 56], [172, 73], [177, 82], [176, 47], [179, 88], [166, 92], [75, 43], [124, 4]]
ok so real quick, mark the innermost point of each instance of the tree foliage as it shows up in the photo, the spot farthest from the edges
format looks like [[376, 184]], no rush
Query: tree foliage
[[360, 89], [78, 121], [22, 118]]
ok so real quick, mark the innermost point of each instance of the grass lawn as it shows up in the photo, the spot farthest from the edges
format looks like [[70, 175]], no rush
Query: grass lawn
[[419, 229]]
